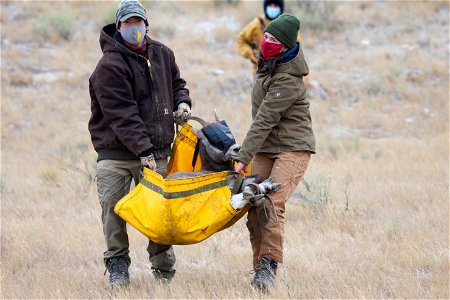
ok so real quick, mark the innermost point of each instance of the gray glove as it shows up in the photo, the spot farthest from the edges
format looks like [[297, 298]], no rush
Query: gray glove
[[149, 162], [233, 151], [251, 193], [183, 113]]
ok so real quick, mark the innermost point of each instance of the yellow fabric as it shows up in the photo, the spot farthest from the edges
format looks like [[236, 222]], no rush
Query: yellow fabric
[[251, 36], [183, 152], [179, 211]]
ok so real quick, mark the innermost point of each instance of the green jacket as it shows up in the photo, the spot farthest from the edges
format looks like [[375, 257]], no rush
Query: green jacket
[[280, 111]]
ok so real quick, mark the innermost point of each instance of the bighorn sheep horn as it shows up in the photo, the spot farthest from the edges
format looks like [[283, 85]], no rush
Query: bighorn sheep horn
[[200, 120], [215, 115]]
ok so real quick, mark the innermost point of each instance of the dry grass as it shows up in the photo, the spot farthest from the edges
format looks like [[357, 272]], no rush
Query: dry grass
[[374, 222]]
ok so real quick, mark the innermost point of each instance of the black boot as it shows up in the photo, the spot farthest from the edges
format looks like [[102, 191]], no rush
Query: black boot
[[265, 274], [118, 271]]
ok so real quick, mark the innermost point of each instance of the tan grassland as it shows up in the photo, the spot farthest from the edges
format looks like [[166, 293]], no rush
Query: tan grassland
[[371, 218]]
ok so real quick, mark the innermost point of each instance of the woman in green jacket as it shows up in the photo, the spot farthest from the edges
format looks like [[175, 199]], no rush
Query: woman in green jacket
[[280, 140]]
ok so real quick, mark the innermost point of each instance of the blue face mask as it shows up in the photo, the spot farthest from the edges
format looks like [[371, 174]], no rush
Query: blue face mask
[[133, 34], [273, 12]]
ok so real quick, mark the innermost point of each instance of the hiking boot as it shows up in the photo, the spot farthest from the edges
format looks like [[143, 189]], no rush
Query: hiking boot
[[265, 274], [162, 275], [118, 271]]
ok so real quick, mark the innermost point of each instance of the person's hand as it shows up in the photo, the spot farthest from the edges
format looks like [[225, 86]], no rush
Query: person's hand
[[149, 162], [239, 167], [233, 152], [182, 114], [254, 59]]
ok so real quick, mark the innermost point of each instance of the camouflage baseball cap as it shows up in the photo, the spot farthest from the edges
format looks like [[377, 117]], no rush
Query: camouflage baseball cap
[[128, 9]]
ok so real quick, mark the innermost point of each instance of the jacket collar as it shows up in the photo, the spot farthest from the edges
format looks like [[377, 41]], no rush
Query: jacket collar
[[290, 54]]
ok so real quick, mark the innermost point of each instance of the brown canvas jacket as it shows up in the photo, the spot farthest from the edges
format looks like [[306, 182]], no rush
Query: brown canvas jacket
[[280, 111], [132, 99]]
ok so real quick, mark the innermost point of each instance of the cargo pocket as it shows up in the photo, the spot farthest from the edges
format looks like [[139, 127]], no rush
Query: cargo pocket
[[300, 167], [263, 214]]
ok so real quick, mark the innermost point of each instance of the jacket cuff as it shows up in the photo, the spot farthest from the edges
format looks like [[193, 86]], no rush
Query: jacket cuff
[[244, 160], [187, 103], [146, 153]]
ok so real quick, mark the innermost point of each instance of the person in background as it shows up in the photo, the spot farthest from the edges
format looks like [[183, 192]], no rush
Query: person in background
[[250, 37], [136, 93], [280, 140]]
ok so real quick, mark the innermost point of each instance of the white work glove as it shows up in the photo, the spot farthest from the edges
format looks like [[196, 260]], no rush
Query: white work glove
[[183, 113], [149, 162]]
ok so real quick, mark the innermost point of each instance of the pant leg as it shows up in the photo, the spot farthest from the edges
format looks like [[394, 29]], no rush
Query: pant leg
[[288, 169], [113, 183], [162, 257], [262, 166]]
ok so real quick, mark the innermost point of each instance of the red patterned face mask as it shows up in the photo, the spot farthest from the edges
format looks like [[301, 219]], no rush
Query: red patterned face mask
[[269, 50]]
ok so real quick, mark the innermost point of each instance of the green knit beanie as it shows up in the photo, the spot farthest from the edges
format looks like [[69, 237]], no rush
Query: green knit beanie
[[285, 28]]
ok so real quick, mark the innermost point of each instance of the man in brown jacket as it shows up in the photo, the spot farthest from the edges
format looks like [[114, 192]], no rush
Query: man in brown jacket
[[136, 93]]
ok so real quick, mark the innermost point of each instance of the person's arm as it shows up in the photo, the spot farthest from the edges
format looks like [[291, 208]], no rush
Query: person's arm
[[244, 41], [276, 102], [114, 94], [180, 92]]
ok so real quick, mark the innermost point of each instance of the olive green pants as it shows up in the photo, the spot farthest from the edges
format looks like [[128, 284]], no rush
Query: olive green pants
[[113, 183], [266, 222]]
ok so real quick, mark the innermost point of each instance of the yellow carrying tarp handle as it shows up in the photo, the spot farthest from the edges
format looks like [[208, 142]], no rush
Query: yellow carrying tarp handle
[[183, 150]]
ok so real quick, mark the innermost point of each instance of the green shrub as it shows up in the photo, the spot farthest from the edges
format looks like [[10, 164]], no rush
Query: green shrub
[[163, 31], [55, 26], [344, 145], [314, 192], [373, 85], [49, 176], [220, 3], [313, 14], [109, 16]]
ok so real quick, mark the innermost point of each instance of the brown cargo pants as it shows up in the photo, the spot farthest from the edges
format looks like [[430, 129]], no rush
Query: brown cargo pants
[[113, 182], [266, 222]]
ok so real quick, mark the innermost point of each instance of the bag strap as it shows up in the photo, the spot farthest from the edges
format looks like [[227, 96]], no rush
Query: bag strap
[[194, 158], [261, 21]]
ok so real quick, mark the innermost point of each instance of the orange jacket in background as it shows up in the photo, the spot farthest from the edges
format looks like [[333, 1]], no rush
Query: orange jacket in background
[[250, 37]]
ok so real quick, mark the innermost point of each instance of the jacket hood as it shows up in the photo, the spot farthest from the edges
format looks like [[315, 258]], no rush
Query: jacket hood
[[296, 66], [108, 43]]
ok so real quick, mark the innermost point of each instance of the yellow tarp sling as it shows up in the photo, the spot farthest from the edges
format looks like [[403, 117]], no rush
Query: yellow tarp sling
[[179, 211]]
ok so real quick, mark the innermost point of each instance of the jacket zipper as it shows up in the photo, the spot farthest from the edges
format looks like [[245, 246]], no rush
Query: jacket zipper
[[159, 142]]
